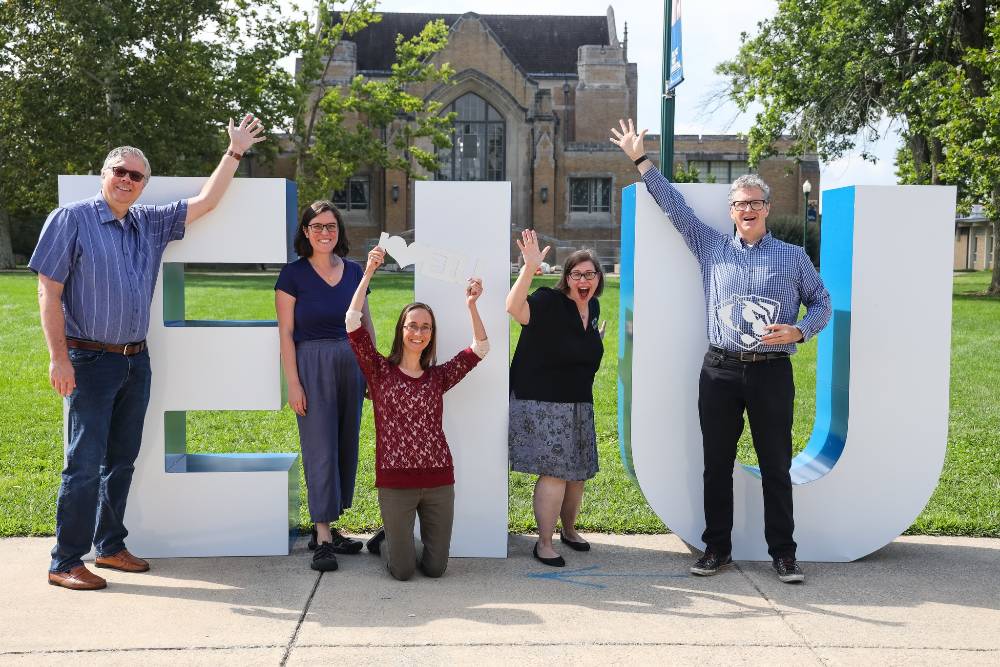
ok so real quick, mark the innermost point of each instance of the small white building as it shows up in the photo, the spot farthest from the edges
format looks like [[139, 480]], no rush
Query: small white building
[[974, 241]]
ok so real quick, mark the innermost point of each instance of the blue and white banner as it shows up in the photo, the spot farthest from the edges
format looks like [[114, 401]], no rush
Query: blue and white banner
[[676, 61]]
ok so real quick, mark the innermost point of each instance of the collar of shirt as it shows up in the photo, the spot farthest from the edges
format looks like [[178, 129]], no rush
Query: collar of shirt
[[106, 216], [740, 244]]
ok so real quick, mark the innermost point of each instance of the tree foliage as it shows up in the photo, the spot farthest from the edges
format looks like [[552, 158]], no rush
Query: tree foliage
[[829, 72], [344, 125], [77, 79]]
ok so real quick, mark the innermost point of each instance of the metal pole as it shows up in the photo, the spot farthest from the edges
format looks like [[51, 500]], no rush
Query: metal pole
[[805, 220], [667, 101]]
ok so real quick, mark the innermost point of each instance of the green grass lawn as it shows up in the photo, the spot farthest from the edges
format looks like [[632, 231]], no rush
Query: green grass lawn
[[966, 502]]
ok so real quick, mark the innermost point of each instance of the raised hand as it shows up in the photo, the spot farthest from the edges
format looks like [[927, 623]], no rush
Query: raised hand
[[376, 257], [628, 140], [473, 290], [528, 244], [249, 132]]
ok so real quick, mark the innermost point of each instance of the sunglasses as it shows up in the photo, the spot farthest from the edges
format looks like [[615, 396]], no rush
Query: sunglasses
[[136, 176]]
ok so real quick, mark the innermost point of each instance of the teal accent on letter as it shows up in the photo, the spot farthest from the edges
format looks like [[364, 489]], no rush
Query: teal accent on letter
[[833, 364], [625, 310]]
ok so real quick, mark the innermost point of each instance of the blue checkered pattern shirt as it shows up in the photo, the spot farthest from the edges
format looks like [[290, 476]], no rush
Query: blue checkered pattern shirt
[[747, 287], [108, 268]]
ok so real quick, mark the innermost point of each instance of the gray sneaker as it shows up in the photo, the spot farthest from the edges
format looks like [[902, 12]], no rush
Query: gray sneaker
[[788, 570], [710, 564]]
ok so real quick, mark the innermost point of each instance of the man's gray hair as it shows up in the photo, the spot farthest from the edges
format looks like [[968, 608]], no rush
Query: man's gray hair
[[117, 153], [747, 181]]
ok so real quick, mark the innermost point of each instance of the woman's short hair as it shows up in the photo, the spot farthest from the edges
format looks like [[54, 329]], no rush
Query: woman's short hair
[[429, 355], [301, 244], [579, 257]]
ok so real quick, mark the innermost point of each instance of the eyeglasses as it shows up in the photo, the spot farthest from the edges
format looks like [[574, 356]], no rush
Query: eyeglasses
[[317, 228], [577, 275], [752, 204], [136, 176], [414, 328]]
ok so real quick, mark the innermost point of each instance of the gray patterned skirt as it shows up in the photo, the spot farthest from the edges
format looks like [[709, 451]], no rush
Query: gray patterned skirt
[[554, 439]]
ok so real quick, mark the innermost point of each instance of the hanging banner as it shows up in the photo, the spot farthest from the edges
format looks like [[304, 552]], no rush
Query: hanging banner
[[676, 62]]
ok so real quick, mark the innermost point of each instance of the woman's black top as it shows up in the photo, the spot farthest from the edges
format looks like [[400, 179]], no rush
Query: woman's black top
[[556, 359]]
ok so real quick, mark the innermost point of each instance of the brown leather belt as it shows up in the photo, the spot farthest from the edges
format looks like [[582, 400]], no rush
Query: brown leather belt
[[128, 349], [746, 357]]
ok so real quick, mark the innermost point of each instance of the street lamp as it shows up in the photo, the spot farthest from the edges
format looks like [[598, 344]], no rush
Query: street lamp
[[806, 189]]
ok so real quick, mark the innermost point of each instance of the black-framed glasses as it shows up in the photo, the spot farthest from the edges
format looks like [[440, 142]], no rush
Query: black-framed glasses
[[121, 172], [580, 275], [421, 328], [749, 204], [328, 228]]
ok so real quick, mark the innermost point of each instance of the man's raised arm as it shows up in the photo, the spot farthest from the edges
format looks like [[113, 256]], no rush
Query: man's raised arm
[[695, 232], [240, 140]]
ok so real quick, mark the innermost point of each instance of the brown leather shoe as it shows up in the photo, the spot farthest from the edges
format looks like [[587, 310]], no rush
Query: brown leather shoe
[[123, 561], [78, 579]]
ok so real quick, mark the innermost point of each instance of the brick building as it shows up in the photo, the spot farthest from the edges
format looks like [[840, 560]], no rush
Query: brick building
[[535, 98]]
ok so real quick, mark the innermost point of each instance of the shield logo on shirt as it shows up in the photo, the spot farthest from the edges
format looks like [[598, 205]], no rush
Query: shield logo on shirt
[[744, 319]]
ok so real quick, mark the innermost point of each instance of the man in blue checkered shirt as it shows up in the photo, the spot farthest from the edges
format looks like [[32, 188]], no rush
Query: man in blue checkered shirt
[[97, 262], [754, 285]]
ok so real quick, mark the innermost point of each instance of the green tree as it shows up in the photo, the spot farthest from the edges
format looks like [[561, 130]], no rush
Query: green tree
[[827, 72], [966, 104], [366, 121], [77, 79], [830, 72]]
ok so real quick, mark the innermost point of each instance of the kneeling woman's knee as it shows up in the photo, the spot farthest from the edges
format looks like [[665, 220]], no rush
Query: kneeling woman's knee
[[402, 572], [434, 570]]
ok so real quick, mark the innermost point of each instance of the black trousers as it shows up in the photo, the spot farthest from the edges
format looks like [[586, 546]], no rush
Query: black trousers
[[766, 390]]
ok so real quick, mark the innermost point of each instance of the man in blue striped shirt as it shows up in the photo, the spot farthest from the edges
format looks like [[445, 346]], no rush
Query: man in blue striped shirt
[[754, 285], [97, 261]]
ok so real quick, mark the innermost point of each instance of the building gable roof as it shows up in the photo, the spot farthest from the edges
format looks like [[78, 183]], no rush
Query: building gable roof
[[538, 44]]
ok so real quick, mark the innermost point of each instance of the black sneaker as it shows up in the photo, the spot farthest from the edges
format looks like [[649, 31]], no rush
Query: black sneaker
[[788, 570], [324, 559], [710, 564], [345, 545], [312, 540], [374, 544]]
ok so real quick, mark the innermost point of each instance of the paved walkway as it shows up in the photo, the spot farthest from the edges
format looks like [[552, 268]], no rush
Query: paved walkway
[[921, 600]]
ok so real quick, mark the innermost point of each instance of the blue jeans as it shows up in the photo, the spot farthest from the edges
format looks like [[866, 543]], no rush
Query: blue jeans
[[104, 425]]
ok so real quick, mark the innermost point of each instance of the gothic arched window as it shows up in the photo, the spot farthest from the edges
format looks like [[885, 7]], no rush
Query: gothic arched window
[[478, 142]]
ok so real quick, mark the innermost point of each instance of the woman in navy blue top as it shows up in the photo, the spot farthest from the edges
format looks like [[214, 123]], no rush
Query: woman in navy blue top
[[325, 384]]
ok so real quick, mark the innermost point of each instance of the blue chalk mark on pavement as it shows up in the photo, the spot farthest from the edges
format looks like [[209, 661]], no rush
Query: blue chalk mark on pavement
[[571, 576]]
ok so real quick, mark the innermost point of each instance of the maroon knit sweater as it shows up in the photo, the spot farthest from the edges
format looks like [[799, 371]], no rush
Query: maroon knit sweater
[[410, 447]]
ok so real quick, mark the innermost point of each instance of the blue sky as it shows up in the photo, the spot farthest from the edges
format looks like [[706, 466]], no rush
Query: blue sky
[[711, 34]]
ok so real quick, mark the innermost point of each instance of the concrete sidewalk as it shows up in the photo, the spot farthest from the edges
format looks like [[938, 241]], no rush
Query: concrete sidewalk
[[920, 600]]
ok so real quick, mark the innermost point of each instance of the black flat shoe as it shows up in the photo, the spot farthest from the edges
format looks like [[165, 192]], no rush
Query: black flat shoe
[[575, 546], [374, 544], [554, 562]]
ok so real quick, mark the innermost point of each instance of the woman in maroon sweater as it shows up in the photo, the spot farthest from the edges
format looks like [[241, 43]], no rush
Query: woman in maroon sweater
[[414, 472]]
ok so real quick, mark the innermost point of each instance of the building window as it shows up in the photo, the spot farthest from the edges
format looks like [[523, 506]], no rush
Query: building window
[[354, 197], [590, 195], [719, 171], [478, 143]]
